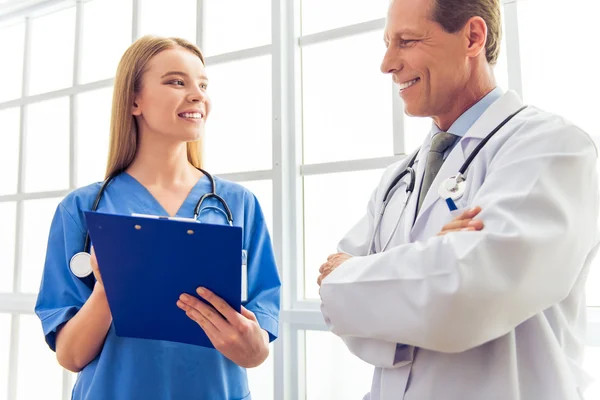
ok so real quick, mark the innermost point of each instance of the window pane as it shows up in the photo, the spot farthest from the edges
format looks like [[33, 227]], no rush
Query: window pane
[[9, 150], [12, 41], [5, 325], [235, 25], [592, 366], [102, 48], [319, 15], [93, 137], [38, 375], [47, 146], [332, 372], [416, 130], [52, 51], [333, 203], [567, 84], [238, 130], [36, 226], [347, 106], [260, 379], [263, 190], [8, 215], [172, 18]]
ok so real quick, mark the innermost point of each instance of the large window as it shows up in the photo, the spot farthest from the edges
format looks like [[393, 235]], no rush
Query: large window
[[301, 116]]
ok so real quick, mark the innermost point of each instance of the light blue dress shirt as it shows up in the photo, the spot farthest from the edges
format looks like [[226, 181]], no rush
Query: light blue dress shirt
[[462, 125]]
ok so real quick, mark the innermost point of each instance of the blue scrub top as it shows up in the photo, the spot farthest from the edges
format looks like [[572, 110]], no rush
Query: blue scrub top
[[128, 368]]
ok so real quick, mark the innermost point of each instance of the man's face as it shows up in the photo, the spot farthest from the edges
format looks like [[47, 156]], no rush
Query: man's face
[[429, 65]]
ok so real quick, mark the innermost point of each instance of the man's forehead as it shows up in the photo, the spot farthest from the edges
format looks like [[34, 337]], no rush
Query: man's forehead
[[402, 19], [405, 11]]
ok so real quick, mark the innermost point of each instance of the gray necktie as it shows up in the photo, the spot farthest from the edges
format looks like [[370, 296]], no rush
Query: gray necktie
[[435, 158]]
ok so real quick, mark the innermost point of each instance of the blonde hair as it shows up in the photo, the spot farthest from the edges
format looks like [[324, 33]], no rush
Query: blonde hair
[[128, 83]]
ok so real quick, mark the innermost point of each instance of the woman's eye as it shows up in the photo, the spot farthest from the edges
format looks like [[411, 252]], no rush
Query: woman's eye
[[204, 86], [178, 82]]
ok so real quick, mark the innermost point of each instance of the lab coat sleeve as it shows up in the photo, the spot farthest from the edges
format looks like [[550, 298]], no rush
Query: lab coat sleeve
[[455, 292], [263, 278], [376, 352], [61, 293]]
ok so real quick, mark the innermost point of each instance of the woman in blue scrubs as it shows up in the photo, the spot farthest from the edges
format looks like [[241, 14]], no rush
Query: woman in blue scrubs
[[160, 105]]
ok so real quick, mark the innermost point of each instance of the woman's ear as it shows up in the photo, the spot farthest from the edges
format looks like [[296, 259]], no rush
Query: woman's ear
[[136, 109]]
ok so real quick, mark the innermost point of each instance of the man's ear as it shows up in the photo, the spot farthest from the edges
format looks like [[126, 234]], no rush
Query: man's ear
[[476, 35]]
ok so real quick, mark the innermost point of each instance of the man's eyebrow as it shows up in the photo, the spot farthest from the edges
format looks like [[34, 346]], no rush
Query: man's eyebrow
[[399, 34], [404, 32]]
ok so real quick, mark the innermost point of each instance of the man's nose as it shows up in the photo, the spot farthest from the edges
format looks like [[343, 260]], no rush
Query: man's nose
[[390, 62]]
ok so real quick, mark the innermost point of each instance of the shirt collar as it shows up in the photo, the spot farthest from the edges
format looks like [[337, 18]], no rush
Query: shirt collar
[[462, 125]]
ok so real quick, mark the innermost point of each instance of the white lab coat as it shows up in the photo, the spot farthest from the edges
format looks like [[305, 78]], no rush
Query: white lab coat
[[497, 314]]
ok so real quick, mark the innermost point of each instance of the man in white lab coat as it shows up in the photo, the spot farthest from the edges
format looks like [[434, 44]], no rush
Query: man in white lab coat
[[494, 308]]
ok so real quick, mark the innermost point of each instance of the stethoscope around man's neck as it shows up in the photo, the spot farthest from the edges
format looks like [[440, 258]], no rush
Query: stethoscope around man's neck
[[80, 263], [450, 190]]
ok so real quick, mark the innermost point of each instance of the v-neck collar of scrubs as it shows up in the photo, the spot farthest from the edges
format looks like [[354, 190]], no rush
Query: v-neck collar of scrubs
[[153, 206]]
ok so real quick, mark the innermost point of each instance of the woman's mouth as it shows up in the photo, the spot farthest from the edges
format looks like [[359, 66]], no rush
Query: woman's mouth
[[191, 116]]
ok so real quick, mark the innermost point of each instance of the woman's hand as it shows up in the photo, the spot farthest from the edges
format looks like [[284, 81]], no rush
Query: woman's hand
[[464, 222], [237, 336]]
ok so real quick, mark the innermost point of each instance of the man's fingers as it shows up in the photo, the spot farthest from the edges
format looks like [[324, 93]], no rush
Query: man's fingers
[[464, 225], [442, 233], [468, 214], [322, 268], [453, 225]]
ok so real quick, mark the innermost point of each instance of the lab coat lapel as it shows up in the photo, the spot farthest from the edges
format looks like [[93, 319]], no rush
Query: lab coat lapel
[[395, 214], [411, 205], [491, 118]]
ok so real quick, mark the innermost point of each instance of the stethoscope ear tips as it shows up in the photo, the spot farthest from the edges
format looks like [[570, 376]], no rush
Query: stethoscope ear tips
[[81, 265]]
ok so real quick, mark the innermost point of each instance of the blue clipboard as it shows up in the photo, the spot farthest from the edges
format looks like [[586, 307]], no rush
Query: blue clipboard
[[146, 264]]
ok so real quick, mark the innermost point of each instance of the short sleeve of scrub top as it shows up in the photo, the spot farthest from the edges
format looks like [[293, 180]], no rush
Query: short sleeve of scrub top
[[61, 293], [263, 278]]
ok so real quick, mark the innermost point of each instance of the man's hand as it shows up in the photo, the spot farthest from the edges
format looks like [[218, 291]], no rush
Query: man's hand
[[464, 222], [333, 261]]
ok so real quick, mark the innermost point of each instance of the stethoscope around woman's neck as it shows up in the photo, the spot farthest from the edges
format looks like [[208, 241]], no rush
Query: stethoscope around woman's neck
[[450, 190], [80, 263]]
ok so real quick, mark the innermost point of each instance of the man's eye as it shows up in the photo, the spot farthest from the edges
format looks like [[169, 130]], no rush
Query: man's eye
[[404, 43]]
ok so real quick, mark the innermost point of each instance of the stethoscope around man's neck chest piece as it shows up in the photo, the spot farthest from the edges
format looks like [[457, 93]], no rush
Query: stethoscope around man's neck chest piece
[[80, 264], [450, 190]]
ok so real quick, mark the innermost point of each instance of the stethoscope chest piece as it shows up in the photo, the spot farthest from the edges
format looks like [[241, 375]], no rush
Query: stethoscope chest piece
[[81, 265], [453, 187]]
